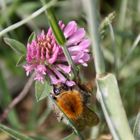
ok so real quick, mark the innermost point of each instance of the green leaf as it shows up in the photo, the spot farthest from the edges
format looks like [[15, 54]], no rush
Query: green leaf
[[42, 90], [21, 60], [13, 133], [70, 137], [136, 130], [31, 37], [15, 45], [55, 27]]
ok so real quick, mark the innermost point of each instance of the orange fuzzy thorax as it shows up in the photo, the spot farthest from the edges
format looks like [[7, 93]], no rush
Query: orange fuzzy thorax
[[71, 103]]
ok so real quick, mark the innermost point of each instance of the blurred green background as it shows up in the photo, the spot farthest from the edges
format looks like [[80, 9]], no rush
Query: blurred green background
[[36, 119]]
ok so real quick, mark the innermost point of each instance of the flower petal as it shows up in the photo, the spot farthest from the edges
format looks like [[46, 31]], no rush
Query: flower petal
[[70, 28], [86, 57], [59, 75], [80, 47], [84, 44], [63, 67], [70, 83], [41, 69], [39, 77], [28, 68], [61, 24], [53, 78], [54, 56], [76, 37]]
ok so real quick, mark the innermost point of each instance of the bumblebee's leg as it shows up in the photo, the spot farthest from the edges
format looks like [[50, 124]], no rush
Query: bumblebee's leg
[[53, 96]]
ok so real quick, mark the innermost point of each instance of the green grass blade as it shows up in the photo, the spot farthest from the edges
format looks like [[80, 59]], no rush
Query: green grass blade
[[13, 133], [136, 130], [5, 100], [109, 97]]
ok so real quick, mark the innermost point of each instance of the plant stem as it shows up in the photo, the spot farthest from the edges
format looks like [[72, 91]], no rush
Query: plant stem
[[136, 128], [93, 26], [70, 61], [32, 16], [121, 27], [110, 100], [60, 38], [113, 47], [135, 44], [122, 14]]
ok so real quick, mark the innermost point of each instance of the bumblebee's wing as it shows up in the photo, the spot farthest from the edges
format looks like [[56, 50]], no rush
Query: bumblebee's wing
[[88, 118]]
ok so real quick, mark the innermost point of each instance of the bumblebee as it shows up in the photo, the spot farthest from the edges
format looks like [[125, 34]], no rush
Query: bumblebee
[[72, 101]]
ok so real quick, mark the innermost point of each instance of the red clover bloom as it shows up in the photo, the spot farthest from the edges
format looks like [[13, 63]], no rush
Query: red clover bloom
[[45, 56]]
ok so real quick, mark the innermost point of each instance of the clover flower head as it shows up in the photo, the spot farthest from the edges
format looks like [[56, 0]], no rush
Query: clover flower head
[[46, 58]]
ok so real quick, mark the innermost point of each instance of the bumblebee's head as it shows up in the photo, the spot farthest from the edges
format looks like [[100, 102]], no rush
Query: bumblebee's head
[[58, 89]]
